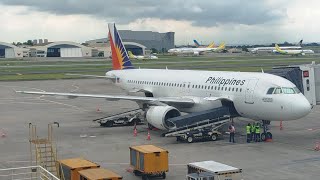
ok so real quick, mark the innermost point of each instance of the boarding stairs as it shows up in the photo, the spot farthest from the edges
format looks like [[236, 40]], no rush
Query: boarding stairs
[[213, 119], [43, 151]]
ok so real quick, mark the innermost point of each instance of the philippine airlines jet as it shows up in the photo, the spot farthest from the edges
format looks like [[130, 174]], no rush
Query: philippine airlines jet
[[196, 51], [259, 96], [292, 52]]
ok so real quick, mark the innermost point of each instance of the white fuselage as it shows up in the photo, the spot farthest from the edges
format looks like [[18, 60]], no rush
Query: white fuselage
[[254, 50], [295, 52], [248, 91], [190, 50]]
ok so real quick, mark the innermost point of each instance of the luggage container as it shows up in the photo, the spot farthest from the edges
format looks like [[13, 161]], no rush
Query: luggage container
[[69, 168], [149, 160], [98, 174], [213, 170]]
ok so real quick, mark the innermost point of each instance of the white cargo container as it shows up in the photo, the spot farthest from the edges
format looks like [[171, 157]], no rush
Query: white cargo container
[[211, 170]]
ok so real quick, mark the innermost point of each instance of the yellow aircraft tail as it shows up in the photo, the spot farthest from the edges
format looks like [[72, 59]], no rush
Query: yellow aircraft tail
[[222, 46], [131, 56], [211, 45], [278, 49]]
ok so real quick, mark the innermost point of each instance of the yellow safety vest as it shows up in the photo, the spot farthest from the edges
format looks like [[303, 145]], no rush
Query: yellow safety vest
[[257, 129], [248, 128]]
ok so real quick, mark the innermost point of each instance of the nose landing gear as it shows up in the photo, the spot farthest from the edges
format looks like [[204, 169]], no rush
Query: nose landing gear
[[265, 135]]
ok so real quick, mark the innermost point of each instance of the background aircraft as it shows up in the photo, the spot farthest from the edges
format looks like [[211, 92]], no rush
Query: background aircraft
[[294, 52], [196, 51], [132, 56]]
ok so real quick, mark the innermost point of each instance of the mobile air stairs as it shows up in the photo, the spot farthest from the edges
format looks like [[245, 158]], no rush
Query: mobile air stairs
[[43, 150], [199, 125], [131, 117]]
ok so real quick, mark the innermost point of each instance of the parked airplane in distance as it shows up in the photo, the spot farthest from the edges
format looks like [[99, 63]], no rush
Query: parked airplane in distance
[[196, 51], [211, 45], [292, 52], [270, 49], [259, 96], [132, 56]]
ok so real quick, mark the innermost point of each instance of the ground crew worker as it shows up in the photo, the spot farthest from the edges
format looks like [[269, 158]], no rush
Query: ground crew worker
[[248, 130], [253, 132], [232, 130], [258, 132]]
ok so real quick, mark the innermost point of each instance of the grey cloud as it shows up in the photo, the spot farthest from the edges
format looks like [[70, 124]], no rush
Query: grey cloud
[[199, 12]]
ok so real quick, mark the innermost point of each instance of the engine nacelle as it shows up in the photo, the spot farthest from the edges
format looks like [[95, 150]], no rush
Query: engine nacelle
[[196, 53], [157, 116]]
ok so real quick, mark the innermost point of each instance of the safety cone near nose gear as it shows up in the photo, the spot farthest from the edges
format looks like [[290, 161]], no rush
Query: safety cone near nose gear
[[149, 137], [317, 146], [281, 127]]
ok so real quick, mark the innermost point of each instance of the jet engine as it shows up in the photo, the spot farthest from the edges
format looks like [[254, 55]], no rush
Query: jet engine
[[196, 53], [157, 116]]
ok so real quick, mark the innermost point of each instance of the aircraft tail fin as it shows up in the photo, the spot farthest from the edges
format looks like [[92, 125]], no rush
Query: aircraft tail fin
[[196, 43], [278, 49], [222, 46], [300, 42], [120, 57], [211, 45], [131, 56]]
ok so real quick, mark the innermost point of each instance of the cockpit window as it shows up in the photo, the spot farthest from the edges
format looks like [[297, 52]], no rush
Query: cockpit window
[[296, 90], [278, 91], [288, 90], [270, 91]]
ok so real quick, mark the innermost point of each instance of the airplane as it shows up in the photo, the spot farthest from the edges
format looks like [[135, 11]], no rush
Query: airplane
[[292, 52], [211, 45], [132, 56], [270, 49], [254, 95], [196, 51]]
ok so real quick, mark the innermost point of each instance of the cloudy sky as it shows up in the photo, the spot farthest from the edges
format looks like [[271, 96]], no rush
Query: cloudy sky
[[232, 21]]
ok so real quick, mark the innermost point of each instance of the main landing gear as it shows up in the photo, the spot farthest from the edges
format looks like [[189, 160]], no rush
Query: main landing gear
[[265, 135]]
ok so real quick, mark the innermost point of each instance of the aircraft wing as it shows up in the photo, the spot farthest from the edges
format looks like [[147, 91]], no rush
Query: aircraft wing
[[87, 75], [151, 100]]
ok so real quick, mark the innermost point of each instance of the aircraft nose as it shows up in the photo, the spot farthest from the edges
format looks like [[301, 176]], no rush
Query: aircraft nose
[[301, 107]]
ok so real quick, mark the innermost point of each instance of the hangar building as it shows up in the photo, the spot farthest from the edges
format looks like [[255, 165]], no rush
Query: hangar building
[[61, 49], [135, 40], [10, 51]]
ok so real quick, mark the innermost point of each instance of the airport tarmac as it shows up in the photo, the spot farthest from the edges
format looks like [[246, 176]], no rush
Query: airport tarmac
[[289, 156]]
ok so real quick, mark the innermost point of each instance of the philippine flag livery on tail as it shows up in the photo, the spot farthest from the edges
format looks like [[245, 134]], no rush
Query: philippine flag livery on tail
[[120, 58]]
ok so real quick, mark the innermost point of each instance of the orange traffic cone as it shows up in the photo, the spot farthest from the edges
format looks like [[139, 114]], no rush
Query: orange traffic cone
[[3, 134], [317, 147], [281, 127], [98, 109], [149, 137], [135, 132]]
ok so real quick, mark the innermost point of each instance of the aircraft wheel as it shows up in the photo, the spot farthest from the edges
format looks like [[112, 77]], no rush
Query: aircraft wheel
[[263, 136]]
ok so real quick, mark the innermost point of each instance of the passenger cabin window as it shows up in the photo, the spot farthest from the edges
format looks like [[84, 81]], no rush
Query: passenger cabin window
[[270, 90]]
